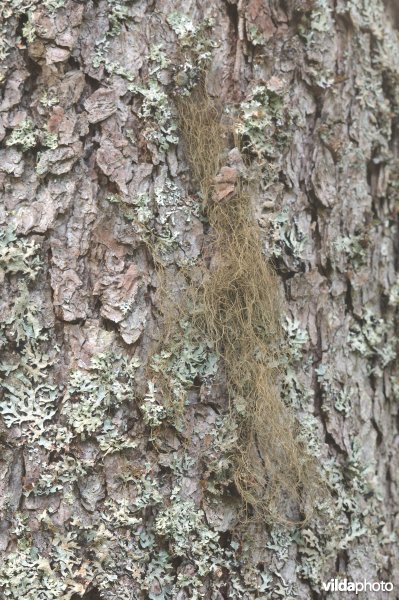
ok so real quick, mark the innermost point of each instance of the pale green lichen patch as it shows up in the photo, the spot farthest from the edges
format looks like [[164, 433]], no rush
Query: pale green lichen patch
[[219, 467], [350, 510], [161, 219], [341, 396], [394, 294], [119, 12], [25, 135], [28, 136], [286, 240], [27, 574], [316, 29], [28, 30], [372, 338], [53, 5], [153, 412], [296, 338], [254, 35], [29, 398], [193, 37], [264, 123], [92, 395], [60, 476], [48, 99], [30, 409], [187, 358], [354, 248], [18, 255], [8, 10], [160, 126], [50, 140], [184, 527], [156, 111]]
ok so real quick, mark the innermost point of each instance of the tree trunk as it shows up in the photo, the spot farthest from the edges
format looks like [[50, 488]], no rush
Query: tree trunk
[[120, 433]]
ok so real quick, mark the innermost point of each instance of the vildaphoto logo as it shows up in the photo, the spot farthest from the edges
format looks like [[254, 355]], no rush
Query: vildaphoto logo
[[343, 585]]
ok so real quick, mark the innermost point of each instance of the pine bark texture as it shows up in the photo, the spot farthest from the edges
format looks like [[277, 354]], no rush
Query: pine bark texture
[[103, 493]]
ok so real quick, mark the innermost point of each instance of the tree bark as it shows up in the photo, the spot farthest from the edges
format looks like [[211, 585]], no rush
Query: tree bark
[[106, 492]]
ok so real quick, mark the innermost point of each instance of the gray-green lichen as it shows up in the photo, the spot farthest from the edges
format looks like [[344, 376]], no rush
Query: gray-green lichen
[[24, 135], [125, 495]]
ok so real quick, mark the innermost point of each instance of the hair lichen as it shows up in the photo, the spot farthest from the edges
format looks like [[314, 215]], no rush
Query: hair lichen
[[238, 309]]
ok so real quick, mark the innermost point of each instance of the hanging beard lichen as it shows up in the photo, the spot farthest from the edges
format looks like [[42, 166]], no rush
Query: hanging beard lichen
[[237, 308]]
